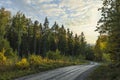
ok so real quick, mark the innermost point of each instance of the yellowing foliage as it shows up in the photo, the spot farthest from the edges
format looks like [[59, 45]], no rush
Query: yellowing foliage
[[35, 60], [2, 58], [103, 45], [23, 64]]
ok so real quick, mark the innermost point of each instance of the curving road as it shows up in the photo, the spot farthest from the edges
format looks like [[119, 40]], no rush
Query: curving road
[[78, 72]]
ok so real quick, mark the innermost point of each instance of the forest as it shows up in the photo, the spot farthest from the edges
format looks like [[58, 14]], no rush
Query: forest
[[21, 35], [28, 46]]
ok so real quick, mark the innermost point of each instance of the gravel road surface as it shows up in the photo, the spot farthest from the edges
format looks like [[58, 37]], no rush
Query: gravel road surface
[[78, 72]]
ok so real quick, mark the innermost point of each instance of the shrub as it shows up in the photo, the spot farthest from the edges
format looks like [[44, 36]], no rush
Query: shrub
[[81, 57], [2, 58], [23, 64], [106, 57], [53, 55], [5, 62], [35, 60]]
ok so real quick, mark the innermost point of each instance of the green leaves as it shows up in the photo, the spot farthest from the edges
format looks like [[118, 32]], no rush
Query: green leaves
[[28, 37], [4, 21], [109, 24]]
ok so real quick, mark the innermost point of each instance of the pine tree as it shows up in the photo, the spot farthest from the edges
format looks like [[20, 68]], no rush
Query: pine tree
[[35, 28], [46, 24], [70, 43], [82, 43], [62, 40], [19, 22], [45, 34]]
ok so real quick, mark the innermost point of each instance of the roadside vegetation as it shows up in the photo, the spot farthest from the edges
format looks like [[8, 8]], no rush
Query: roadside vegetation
[[105, 72], [14, 67]]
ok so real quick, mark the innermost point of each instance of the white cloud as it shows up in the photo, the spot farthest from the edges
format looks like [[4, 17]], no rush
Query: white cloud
[[78, 15], [84, 17], [72, 4], [41, 1], [37, 1]]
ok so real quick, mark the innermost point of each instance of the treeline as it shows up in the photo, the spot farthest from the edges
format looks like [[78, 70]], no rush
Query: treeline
[[109, 25], [23, 36]]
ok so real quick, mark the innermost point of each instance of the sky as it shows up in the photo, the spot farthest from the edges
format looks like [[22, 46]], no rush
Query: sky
[[78, 15]]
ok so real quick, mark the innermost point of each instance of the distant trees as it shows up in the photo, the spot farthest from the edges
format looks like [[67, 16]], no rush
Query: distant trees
[[98, 51], [89, 53], [110, 24], [27, 37]]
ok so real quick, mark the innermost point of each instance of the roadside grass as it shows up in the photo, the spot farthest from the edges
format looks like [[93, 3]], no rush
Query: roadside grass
[[105, 72], [11, 68], [15, 73]]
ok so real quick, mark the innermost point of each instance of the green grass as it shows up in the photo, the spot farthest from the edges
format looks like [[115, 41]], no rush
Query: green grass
[[104, 72]]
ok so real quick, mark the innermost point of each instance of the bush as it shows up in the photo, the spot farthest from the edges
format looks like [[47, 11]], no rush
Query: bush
[[35, 60], [53, 55], [106, 57], [2, 58], [23, 64], [6, 63], [81, 57]]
